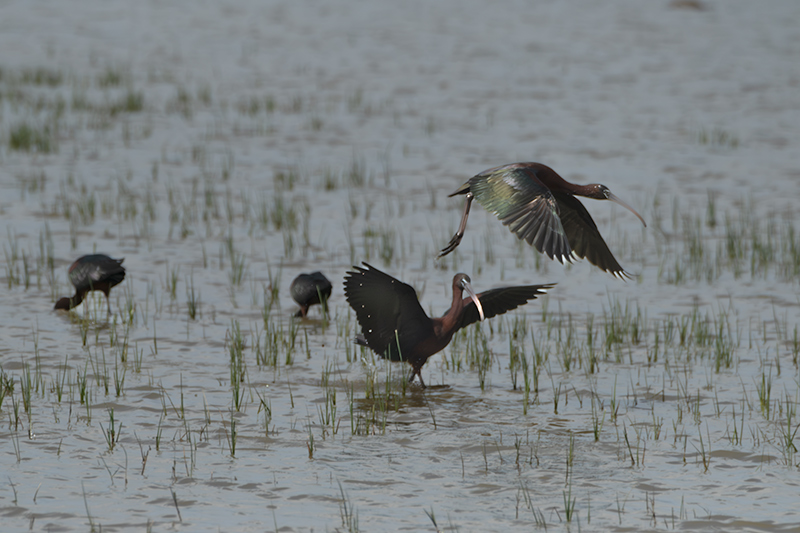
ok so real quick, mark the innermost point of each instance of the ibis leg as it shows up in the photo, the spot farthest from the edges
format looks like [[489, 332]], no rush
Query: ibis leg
[[456, 240], [417, 372]]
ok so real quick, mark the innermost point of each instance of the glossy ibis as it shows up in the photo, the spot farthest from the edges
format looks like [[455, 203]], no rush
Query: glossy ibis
[[310, 289], [540, 206], [95, 272], [395, 326]]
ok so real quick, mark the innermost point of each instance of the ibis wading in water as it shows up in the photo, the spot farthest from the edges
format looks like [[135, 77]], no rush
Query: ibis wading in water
[[95, 272], [395, 326], [540, 206], [310, 289]]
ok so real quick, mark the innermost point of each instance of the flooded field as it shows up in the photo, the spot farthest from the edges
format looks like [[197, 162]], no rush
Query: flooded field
[[222, 149]]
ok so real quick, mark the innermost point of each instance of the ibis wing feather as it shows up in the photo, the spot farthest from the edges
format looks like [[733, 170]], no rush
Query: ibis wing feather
[[387, 310], [498, 301], [89, 270], [525, 205], [584, 237]]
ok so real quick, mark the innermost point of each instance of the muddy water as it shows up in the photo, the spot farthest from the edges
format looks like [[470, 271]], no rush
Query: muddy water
[[222, 149]]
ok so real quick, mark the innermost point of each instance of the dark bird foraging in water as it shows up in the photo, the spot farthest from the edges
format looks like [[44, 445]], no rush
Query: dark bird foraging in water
[[95, 272], [540, 206], [395, 326], [310, 289]]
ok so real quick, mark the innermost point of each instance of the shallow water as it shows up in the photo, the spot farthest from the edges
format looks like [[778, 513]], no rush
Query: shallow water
[[223, 149]]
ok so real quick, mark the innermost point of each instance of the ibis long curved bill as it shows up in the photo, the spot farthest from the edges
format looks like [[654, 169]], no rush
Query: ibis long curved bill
[[471, 293], [617, 200]]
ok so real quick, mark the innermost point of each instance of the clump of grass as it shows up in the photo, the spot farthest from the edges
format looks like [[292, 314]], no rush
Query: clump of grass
[[295, 105], [348, 514], [357, 175], [41, 76], [286, 180], [478, 355], [787, 435], [110, 77], [381, 242], [764, 388], [131, 102], [238, 262], [12, 254], [266, 406], [32, 181], [623, 324], [569, 504], [327, 413], [254, 105], [711, 211], [182, 103], [538, 516], [236, 345], [330, 181], [250, 106], [744, 242], [172, 281], [25, 137], [6, 386], [232, 436], [192, 299], [284, 214], [112, 434], [597, 420], [717, 137]]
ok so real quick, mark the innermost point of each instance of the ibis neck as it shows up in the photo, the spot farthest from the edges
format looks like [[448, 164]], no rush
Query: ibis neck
[[558, 184], [76, 300], [587, 191], [450, 320], [553, 181]]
